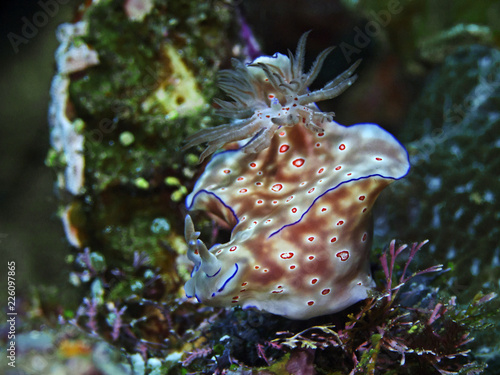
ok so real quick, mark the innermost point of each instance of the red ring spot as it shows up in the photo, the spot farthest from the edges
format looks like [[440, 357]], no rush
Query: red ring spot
[[275, 202], [364, 210], [260, 201], [244, 284], [258, 183], [334, 239], [234, 301], [311, 239], [236, 297], [257, 267], [240, 178], [282, 134], [294, 210], [325, 291], [342, 147], [298, 162], [233, 248], [292, 267], [340, 222], [310, 303], [318, 144], [268, 221], [338, 168], [361, 197], [321, 134], [314, 281], [311, 257], [259, 173], [226, 171], [271, 96], [343, 255], [310, 191], [289, 198], [277, 187], [243, 218], [253, 165], [321, 170], [284, 148], [364, 237], [266, 270], [243, 290], [243, 191], [286, 255], [196, 252], [378, 159], [323, 209], [349, 174]]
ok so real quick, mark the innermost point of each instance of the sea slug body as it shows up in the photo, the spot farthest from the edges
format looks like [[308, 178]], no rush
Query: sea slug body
[[298, 201]]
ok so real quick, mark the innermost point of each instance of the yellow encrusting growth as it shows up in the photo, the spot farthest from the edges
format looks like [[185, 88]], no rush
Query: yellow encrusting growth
[[179, 94]]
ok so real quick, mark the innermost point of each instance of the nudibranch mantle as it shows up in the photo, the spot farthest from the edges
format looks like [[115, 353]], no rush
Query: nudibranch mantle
[[300, 213], [297, 195]]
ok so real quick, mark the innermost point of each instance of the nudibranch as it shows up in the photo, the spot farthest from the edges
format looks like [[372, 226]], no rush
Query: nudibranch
[[270, 93], [299, 208]]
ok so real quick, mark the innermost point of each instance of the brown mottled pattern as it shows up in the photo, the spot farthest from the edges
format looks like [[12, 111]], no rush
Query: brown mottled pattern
[[303, 212]]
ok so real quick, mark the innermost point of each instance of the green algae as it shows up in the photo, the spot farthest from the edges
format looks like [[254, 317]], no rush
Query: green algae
[[148, 72], [151, 88]]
